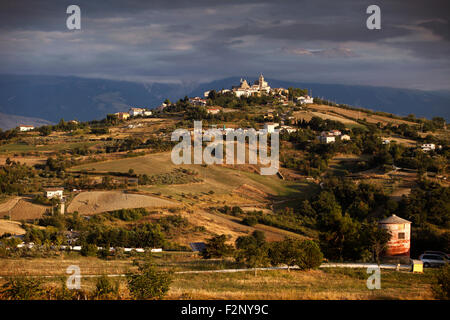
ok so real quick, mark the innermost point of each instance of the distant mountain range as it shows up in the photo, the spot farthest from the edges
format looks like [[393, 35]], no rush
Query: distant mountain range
[[8, 121], [44, 99]]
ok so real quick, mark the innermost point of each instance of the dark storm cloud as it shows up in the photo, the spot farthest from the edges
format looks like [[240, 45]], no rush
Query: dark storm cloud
[[171, 40], [335, 32], [438, 27]]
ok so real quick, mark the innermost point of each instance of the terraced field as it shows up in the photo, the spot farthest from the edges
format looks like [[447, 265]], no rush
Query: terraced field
[[100, 201], [22, 209]]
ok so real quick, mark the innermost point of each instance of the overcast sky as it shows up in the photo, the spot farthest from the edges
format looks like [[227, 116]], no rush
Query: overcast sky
[[198, 41]]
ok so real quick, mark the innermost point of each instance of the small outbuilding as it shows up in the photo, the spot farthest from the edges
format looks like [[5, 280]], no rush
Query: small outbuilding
[[54, 193], [400, 230]]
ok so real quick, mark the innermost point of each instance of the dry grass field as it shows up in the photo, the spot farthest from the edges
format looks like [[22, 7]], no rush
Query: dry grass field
[[100, 201], [307, 115], [327, 283], [355, 114], [220, 179], [22, 209], [300, 285], [29, 161], [12, 227]]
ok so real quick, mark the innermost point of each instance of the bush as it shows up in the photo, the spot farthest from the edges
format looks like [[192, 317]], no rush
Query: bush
[[441, 287], [149, 283], [311, 257], [89, 250], [250, 221], [106, 289], [22, 289], [129, 214]]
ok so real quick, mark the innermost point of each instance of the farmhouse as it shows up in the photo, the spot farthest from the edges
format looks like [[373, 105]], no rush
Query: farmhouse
[[305, 100], [134, 112], [197, 101], [428, 147], [270, 127], [345, 137], [327, 138], [400, 230], [288, 129], [334, 133], [213, 110], [54, 193], [23, 128], [122, 115]]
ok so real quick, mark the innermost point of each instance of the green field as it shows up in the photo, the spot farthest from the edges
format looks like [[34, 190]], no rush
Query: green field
[[21, 147]]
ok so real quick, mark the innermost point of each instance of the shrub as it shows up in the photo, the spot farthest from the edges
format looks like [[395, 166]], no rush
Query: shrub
[[311, 257], [249, 221], [22, 289], [105, 288], [149, 283], [441, 287], [89, 250]]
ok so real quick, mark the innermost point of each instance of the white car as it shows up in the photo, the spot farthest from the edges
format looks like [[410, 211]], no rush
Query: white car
[[433, 260]]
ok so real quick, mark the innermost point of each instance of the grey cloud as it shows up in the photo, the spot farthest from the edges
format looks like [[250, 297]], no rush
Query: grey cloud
[[202, 40], [438, 27]]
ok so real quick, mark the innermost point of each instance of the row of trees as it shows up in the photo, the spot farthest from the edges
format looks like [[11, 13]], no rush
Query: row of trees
[[253, 251]]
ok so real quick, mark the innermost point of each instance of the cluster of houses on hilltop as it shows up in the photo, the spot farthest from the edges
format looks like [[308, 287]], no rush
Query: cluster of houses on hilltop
[[269, 127], [330, 136], [260, 86]]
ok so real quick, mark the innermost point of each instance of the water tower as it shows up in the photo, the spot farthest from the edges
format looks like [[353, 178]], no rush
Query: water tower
[[400, 230]]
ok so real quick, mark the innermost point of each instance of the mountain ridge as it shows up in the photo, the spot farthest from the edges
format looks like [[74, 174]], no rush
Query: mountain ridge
[[51, 98]]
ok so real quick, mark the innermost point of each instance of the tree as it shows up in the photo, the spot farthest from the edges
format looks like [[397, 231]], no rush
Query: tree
[[250, 221], [377, 240], [149, 283], [311, 257], [217, 248], [252, 250], [45, 130], [212, 95], [89, 250], [292, 252]]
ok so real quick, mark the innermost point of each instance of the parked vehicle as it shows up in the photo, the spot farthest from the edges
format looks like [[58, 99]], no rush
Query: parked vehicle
[[433, 260], [439, 253]]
